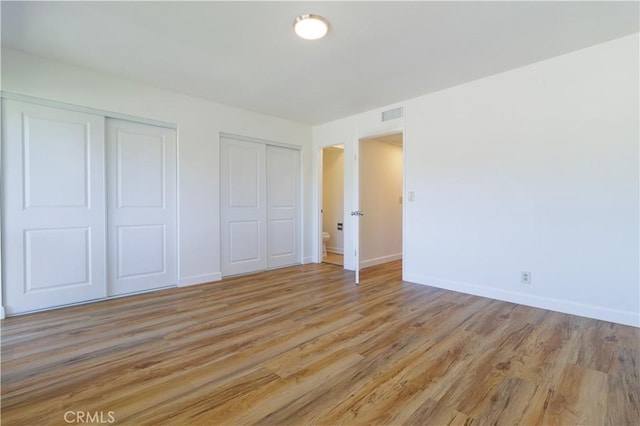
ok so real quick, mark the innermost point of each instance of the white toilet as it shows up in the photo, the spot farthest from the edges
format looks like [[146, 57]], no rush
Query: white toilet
[[325, 238]]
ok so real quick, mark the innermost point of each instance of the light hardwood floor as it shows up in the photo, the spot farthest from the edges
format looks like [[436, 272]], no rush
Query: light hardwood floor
[[333, 258], [303, 345]]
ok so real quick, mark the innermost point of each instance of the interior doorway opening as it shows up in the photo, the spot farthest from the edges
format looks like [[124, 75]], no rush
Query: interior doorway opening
[[332, 235], [380, 200]]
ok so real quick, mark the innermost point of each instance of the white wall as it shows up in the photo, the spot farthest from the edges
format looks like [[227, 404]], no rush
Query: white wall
[[333, 197], [380, 191], [535, 169], [199, 123]]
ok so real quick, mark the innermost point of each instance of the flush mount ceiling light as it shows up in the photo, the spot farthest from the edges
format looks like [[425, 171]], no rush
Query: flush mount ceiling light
[[310, 27]]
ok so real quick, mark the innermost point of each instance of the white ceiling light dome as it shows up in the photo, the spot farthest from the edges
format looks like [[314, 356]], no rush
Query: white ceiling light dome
[[310, 27]]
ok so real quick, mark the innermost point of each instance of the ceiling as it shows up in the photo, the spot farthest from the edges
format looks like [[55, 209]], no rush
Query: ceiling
[[245, 54]]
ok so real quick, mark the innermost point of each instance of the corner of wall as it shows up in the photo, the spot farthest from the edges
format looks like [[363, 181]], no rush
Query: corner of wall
[[1, 312]]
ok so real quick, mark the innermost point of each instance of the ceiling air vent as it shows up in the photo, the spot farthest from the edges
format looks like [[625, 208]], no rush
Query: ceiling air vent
[[392, 114]]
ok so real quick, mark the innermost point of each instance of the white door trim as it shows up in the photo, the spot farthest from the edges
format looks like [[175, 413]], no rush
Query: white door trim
[[386, 132], [258, 140], [87, 110]]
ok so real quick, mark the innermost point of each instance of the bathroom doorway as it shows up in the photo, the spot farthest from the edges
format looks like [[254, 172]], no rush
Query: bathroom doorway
[[333, 205]]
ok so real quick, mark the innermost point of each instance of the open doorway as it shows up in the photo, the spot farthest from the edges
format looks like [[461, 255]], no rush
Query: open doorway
[[380, 178], [333, 205]]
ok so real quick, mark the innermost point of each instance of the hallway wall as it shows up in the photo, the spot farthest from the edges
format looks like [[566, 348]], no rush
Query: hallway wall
[[380, 195]]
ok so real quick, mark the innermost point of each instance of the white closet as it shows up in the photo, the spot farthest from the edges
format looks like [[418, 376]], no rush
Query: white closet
[[54, 207], [84, 216], [141, 212], [260, 205]]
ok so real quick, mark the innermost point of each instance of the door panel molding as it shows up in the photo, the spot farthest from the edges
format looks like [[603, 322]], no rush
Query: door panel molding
[[53, 207], [283, 207], [142, 207], [242, 207], [260, 185], [58, 240]]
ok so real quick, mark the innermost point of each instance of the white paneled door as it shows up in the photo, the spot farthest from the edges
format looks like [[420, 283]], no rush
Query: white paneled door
[[243, 207], [141, 181], [54, 207], [259, 209], [283, 210]]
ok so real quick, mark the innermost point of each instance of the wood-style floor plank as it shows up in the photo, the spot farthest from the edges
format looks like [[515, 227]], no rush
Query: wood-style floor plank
[[303, 345]]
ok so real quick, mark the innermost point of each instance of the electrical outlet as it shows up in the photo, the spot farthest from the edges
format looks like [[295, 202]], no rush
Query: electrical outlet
[[525, 277]]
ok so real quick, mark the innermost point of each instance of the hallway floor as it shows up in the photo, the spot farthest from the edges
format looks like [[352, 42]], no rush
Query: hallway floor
[[333, 258]]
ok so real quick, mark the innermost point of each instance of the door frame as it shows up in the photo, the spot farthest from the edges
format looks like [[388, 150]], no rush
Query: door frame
[[351, 168], [357, 188], [320, 223], [317, 255]]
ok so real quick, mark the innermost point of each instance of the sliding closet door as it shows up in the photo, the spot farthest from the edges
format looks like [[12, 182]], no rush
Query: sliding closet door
[[243, 206], [141, 206], [283, 207], [259, 207], [54, 210]]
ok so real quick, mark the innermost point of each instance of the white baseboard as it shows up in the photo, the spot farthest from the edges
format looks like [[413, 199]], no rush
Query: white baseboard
[[335, 250], [380, 260], [558, 305], [199, 279], [1, 312], [308, 259]]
